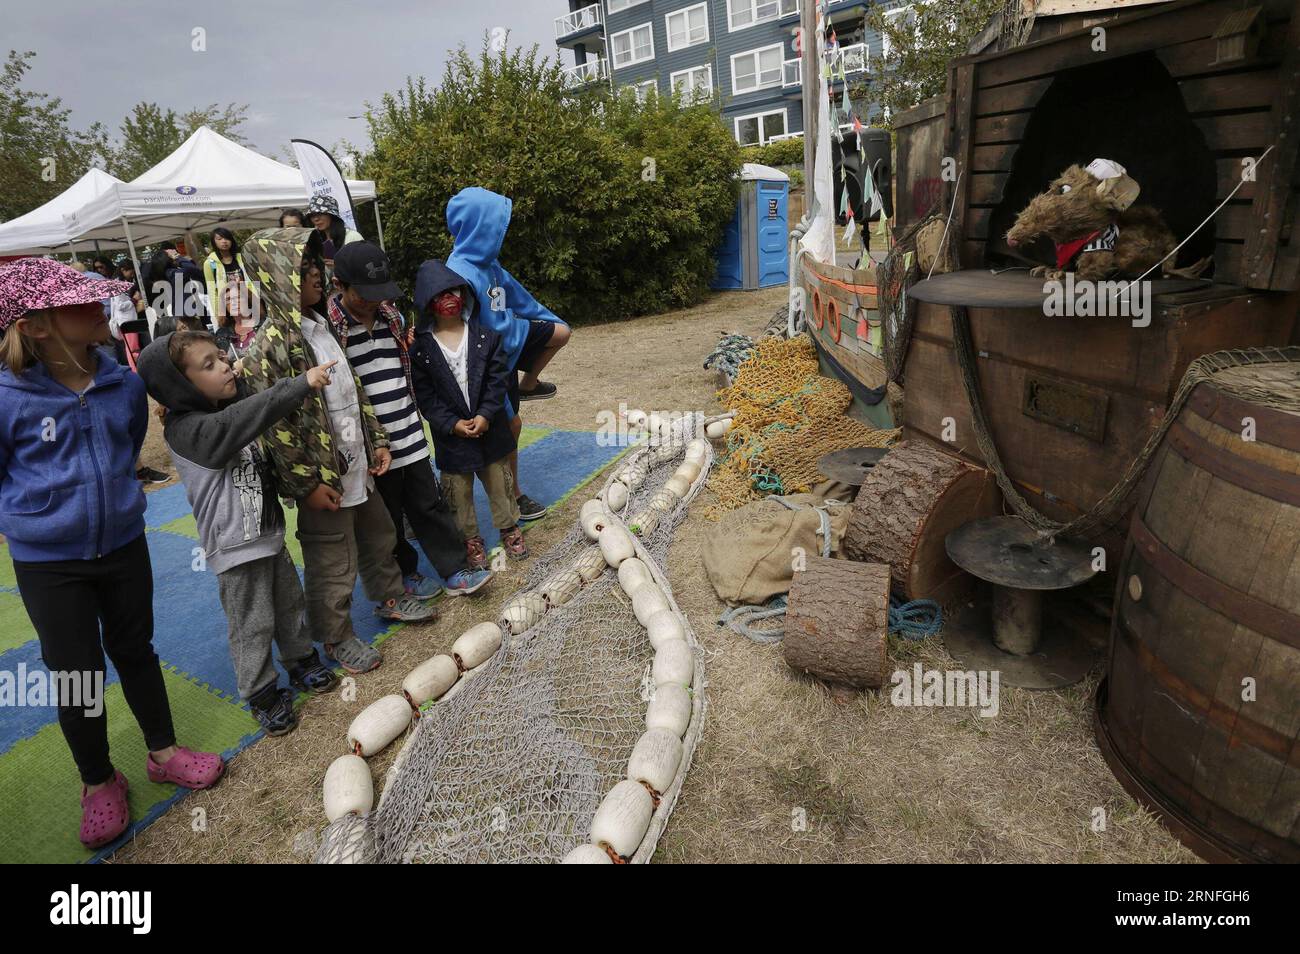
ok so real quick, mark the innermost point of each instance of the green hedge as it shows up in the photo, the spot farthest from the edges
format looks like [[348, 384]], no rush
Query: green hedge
[[618, 206], [786, 152]]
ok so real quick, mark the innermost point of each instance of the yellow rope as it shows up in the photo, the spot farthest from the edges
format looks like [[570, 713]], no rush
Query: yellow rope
[[787, 417]]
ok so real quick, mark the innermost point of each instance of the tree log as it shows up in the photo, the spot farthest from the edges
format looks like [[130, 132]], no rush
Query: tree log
[[907, 505], [837, 620]]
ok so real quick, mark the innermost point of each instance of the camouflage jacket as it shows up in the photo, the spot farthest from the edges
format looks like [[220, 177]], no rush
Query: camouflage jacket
[[301, 445]]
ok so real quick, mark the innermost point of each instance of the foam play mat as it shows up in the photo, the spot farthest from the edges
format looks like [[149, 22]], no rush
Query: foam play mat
[[39, 787]]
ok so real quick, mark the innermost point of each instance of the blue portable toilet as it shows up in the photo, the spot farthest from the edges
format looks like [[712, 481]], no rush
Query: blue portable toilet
[[755, 245]]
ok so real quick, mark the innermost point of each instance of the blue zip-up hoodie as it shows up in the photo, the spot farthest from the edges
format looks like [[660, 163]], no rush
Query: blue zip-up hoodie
[[477, 220], [68, 489]]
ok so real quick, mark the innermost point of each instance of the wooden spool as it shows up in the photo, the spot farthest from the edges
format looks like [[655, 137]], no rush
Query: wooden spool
[[1208, 605], [837, 621], [908, 504]]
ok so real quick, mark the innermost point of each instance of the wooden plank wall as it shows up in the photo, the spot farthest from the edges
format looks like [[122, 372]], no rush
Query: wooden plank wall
[[1239, 110]]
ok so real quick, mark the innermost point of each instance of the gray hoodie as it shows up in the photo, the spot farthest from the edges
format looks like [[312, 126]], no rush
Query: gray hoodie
[[228, 477]]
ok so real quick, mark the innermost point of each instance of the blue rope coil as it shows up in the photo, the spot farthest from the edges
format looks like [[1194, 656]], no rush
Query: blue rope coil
[[916, 620]]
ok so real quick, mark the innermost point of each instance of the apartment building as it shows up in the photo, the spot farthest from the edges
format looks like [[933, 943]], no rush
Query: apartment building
[[739, 54]]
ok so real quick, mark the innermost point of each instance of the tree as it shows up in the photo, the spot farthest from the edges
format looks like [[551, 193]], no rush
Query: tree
[[40, 155], [618, 205], [920, 42], [150, 133]]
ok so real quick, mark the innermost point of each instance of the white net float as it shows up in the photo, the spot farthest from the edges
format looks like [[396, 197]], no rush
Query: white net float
[[616, 495], [349, 788], [654, 759], [670, 709], [688, 470], [476, 645], [631, 574], [558, 588], [378, 724], [678, 486], [430, 679], [697, 450], [587, 855], [718, 429], [673, 663], [647, 600], [593, 521], [616, 545], [663, 626], [590, 565], [643, 524], [522, 612], [663, 502], [622, 818]]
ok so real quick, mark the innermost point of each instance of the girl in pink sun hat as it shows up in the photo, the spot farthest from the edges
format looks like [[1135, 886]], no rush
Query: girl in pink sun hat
[[72, 513]]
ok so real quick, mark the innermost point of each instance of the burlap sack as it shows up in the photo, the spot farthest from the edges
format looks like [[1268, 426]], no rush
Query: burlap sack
[[928, 239], [750, 557]]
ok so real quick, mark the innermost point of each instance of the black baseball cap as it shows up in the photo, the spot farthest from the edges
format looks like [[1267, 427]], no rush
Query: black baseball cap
[[365, 267]]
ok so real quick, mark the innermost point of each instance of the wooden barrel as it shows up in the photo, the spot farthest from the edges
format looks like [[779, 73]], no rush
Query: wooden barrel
[[1199, 715]]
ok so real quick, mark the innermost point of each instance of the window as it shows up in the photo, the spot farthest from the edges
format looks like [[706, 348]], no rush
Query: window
[[688, 27], [617, 5], [746, 13], [645, 90], [694, 84], [633, 46], [757, 69], [909, 22], [759, 129]]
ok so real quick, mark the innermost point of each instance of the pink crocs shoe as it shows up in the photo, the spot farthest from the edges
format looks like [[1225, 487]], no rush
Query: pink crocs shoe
[[104, 815], [187, 769]]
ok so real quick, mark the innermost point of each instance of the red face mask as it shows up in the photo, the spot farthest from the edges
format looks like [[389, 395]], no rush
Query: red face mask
[[447, 305]]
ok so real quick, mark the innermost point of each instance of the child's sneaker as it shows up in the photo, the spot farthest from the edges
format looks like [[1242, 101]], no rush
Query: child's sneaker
[[273, 709], [104, 814], [476, 554], [354, 655], [406, 610], [420, 587], [465, 582], [513, 540], [530, 509], [311, 675]]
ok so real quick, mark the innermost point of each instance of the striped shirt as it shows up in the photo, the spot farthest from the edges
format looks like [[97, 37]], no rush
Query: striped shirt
[[375, 358]]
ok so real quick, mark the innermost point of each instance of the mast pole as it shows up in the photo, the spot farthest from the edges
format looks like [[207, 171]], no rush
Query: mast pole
[[811, 87]]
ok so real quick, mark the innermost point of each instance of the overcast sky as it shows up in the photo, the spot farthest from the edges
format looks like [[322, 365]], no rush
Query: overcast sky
[[302, 67]]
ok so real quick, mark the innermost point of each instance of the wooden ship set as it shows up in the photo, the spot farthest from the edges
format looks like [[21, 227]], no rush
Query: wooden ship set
[[1192, 578]]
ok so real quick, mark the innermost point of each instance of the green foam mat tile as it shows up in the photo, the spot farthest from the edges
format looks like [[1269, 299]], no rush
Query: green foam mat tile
[[41, 792]]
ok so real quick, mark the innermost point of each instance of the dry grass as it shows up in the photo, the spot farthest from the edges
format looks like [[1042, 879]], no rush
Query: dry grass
[[876, 782]]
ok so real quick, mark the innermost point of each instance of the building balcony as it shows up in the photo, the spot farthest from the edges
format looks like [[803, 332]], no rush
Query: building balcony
[[584, 74], [574, 27], [853, 59]]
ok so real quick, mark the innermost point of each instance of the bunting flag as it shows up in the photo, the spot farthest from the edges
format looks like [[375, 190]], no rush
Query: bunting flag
[[857, 128], [907, 260], [847, 237], [844, 201], [863, 331], [883, 228]]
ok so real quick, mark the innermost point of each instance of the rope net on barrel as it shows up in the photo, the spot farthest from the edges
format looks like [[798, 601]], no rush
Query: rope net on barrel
[[787, 417], [513, 767]]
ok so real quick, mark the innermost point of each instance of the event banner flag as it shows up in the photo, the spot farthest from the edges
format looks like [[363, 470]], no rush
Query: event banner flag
[[321, 175]]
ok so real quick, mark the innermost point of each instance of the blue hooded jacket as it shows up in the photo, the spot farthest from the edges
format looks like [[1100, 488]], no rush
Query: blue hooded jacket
[[68, 489], [477, 220]]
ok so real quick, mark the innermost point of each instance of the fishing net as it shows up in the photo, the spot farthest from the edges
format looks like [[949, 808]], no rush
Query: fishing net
[[512, 765], [787, 416]]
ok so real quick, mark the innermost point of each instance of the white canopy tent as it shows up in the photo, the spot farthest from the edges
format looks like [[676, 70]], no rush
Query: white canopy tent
[[43, 229], [207, 181]]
